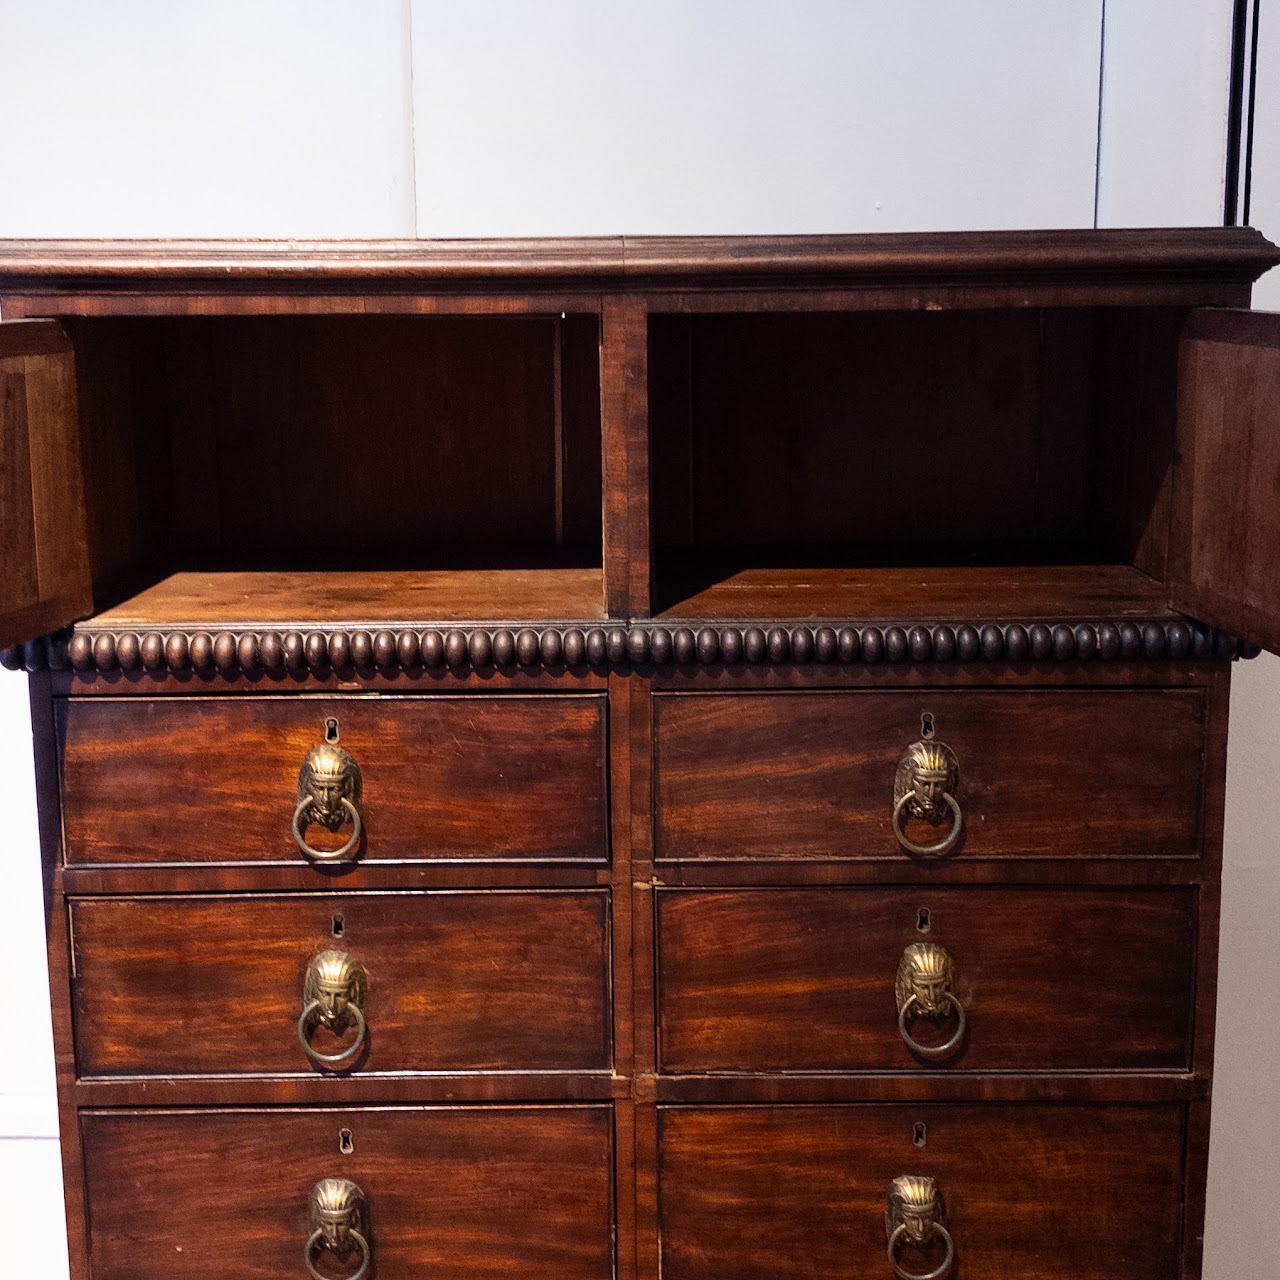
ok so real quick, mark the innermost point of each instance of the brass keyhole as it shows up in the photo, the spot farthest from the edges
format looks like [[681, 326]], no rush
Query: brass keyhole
[[331, 729]]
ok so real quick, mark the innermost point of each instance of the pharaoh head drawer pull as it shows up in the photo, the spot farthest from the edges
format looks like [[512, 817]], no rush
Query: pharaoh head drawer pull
[[329, 795], [338, 1210], [912, 1216], [333, 996], [925, 786], [925, 977]]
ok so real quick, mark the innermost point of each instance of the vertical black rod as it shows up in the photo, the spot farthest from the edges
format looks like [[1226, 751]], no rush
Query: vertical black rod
[[1235, 111], [1253, 97]]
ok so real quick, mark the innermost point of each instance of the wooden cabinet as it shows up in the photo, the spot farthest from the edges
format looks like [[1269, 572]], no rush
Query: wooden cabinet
[[636, 757]]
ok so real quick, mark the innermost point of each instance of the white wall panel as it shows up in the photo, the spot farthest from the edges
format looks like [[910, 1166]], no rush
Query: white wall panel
[[1163, 130], [241, 118], [31, 1216], [1244, 1147], [575, 117], [293, 119], [27, 1106]]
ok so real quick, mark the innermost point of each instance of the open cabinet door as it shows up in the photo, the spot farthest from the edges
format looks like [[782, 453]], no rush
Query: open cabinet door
[[44, 563], [1224, 563]]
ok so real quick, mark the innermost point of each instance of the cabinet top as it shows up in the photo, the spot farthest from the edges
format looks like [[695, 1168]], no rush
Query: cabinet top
[[1238, 254]]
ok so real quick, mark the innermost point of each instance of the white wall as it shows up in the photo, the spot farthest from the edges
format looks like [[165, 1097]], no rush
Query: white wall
[[323, 118]]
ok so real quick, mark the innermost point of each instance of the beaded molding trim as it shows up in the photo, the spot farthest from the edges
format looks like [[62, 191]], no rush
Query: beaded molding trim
[[318, 652]]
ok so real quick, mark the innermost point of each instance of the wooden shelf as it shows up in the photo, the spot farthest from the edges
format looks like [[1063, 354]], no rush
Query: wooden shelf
[[314, 599], [963, 593]]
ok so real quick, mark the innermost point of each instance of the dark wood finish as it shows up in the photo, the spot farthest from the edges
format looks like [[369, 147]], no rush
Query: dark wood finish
[[1053, 258], [205, 780], [45, 583], [362, 652], [58, 957], [711, 588], [624, 422], [244, 600], [457, 982], [125, 446], [780, 980], [1133, 444], [386, 434], [810, 775], [1032, 1192], [629, 901], [1226, 541], [453, 1192], [793, 1089], [783, 419]]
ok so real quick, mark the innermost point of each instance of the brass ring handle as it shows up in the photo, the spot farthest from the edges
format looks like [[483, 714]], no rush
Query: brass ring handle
[[318, 1236], [932, 1051], [928, 850], [330, 793], [333, 993], [306, 1024], [924, 987], [301, 816], [941, 1270], [924, 788]]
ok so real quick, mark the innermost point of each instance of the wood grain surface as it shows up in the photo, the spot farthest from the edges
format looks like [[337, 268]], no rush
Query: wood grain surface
[[811, 775], [314, 598], [802, 980], [445, 778], [456, 981], [459, 1193], [1036, 1193], [1226, 531], [45, 583], [1232, 253], [730, 587]]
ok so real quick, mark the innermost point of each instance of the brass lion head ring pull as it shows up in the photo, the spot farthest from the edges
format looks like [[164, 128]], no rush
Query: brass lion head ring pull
[[927, 780], [925, 978], [329, 795], [338, 1213], [913, 1216], [333, 996]]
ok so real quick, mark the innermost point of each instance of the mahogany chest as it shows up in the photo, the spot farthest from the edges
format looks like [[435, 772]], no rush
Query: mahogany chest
[[683, 757]]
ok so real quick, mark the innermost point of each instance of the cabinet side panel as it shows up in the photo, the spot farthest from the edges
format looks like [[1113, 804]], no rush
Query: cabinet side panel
[[45, 584], [1226, 542]]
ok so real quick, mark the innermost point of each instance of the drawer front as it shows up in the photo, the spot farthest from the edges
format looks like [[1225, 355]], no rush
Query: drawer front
[[183, 780], [1061, 773], [452, 981], [459, 1193], [778, 980], [1036, 1193]]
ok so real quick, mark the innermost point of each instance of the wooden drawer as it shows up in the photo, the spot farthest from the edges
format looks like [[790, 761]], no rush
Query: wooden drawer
[[1032, 1193], [781, 980], [458, 1193], [181, 780], [512, 981], [1042, 773]]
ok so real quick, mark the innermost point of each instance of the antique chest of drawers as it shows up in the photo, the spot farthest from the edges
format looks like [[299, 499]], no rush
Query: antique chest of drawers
[[576, 759]]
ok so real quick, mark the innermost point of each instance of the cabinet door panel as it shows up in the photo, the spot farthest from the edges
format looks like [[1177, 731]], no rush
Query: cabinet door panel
[[1225, 551], [46, 581]]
